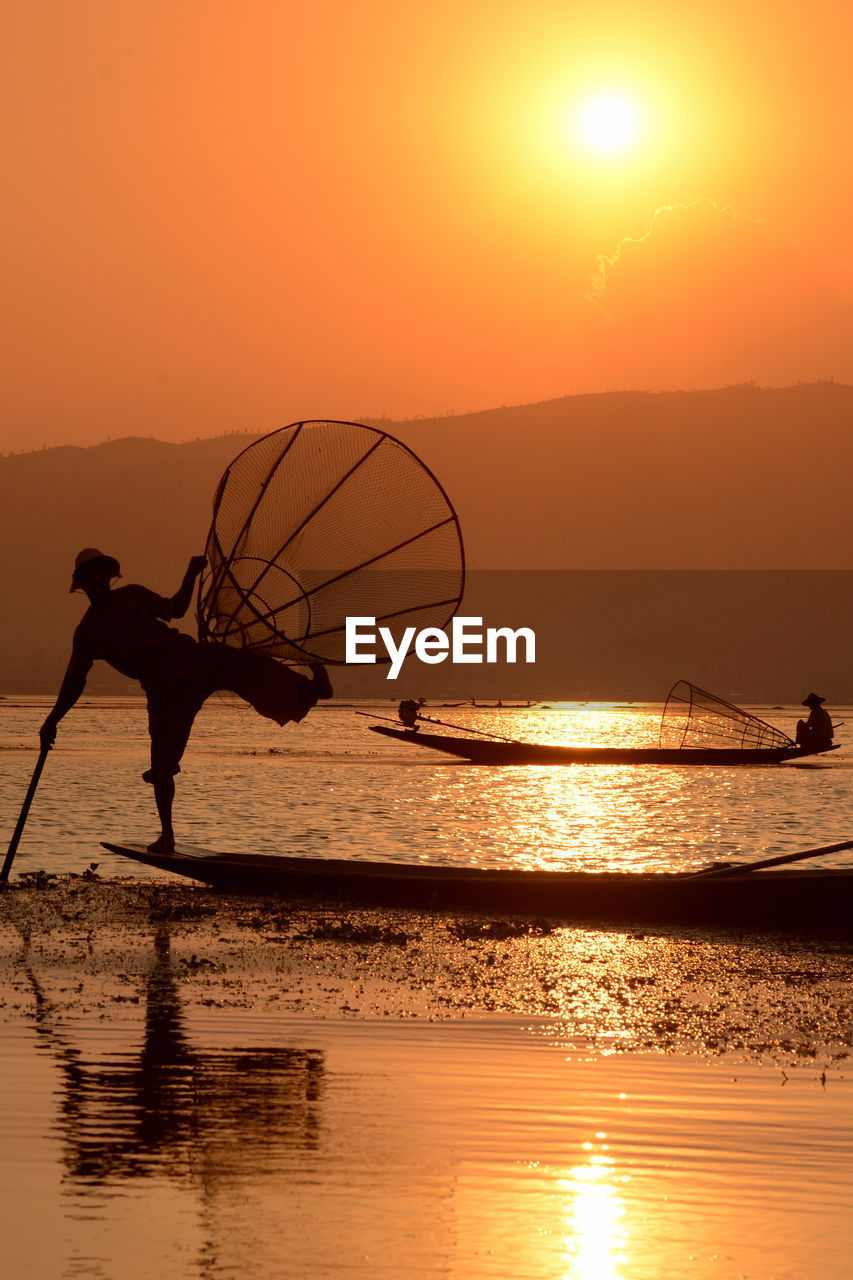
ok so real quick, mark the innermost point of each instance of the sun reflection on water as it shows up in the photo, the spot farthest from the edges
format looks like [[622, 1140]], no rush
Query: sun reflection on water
[[556, 818], [595, 1230], [637, 818]]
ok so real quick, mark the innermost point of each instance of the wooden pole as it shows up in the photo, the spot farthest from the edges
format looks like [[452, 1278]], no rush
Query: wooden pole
[[445, 724], [737, 869], [18, 832]]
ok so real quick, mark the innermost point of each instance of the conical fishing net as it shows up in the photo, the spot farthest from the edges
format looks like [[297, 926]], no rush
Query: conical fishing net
[[320, 521], [693, 717]]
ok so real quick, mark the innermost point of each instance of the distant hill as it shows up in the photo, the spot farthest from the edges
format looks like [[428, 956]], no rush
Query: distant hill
[[740, 478], [735, 479]]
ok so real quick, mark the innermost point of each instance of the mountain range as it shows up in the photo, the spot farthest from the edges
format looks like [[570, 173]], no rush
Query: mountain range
[[619, 488]]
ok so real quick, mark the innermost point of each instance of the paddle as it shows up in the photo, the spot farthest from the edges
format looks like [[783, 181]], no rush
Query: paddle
[[18, 832], [445, 724], [736, 870]]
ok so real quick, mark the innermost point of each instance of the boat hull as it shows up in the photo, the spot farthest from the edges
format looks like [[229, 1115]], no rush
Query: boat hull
[[802, 902], [493, 752]]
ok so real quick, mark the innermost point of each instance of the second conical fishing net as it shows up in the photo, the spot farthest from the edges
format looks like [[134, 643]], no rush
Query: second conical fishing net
[[321, 521], [693, 717]]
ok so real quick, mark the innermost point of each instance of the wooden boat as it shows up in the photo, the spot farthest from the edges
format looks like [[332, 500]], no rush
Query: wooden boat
[[697, 728], [803, 902], [498, 706], [492, 751]]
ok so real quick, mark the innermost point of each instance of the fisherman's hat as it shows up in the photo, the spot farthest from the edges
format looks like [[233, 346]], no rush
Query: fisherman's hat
[[813, 700], [87, 556]]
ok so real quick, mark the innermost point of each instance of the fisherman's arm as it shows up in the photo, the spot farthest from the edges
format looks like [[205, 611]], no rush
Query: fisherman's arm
[[180, 601], [73, 684]]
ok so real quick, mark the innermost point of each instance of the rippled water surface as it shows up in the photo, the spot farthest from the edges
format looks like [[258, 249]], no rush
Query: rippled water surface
[[214, 1143], [232, 1145], [330, 788]]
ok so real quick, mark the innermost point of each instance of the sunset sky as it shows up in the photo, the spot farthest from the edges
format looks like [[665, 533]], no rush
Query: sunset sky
[[223, 216]]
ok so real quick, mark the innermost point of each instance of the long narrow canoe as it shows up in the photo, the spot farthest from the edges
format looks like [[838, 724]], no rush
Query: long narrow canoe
[[493, 751], [803, 902]]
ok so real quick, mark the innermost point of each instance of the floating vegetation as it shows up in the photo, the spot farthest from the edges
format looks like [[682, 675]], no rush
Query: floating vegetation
[[499, 930], [346, 931]]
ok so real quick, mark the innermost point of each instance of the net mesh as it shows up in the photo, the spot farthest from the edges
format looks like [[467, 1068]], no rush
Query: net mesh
[[693, 718], [320, 521]]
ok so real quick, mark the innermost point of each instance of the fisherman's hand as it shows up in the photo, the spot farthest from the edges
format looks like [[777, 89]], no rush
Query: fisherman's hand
[[47, 733], [197, 565]]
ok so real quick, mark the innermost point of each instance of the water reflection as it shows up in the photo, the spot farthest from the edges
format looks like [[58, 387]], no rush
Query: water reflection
[[596, 1236], [203, 1115], [455, 1150]]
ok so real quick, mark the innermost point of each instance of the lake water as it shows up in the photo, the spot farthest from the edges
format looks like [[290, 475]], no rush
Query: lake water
[[330, 788], [232, 1144], [154, 1139]]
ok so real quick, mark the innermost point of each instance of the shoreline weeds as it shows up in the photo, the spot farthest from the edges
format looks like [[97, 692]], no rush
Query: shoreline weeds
[[86, 947]]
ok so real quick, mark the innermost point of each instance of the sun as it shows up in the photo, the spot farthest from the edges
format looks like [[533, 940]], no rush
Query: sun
[[608, 124]]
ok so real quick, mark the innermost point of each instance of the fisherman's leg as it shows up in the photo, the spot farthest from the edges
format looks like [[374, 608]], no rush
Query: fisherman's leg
[[164, 796], [321, 682], [170, 720], [274, 690]]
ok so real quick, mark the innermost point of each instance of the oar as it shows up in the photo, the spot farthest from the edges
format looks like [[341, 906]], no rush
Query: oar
[[18, 832], [445, 724], [775, 862], [467, 728]]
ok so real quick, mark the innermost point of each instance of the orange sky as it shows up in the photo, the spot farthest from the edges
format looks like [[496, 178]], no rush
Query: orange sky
[[228, 215]]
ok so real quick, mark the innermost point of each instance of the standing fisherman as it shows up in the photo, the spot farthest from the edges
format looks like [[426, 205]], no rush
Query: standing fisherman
[[126, 627]]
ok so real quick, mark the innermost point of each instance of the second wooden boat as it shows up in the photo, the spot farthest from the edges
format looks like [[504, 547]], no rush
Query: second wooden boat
[[697, 728], [488, 751]]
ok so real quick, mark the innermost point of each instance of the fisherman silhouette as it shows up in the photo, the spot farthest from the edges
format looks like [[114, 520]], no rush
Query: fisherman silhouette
[[816, 732], [409, 710], [126, 627]]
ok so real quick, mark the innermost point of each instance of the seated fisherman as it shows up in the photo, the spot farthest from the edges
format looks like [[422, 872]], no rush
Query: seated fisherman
[[408, 711], [815, 733], [126, 627]]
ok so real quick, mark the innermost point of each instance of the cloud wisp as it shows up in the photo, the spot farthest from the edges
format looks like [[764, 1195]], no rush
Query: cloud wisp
[[708, 296]]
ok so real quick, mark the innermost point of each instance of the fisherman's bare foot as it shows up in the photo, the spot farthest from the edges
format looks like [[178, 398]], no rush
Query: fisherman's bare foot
[[321, 680], [163, 844]]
